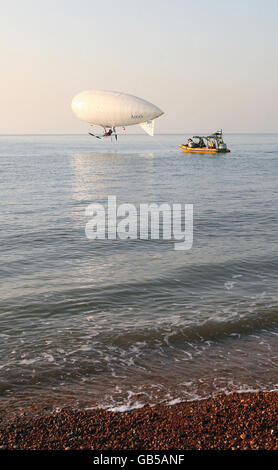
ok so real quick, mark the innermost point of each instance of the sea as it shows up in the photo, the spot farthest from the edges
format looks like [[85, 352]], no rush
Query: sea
[[120, 323]]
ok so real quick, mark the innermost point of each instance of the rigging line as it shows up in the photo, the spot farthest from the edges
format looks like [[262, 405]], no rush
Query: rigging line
[[163, 146]]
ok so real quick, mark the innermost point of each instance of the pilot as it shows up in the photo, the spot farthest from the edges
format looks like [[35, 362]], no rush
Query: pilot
[[107, 133]]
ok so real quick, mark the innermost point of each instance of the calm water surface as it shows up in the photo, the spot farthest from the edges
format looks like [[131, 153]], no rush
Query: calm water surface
[[120, 323]]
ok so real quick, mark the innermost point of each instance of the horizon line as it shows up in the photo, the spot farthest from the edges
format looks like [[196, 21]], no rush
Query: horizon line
[[135, 134]]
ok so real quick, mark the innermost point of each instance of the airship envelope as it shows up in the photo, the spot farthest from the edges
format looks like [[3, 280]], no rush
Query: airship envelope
[[111, 109]]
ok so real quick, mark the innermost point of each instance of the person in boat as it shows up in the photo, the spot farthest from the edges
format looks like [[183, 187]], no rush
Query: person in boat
[[191, 144], [201, 143], [211, 144], [222, 145]]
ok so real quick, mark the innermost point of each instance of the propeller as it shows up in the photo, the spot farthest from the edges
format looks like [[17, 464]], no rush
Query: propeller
[[96, 136]]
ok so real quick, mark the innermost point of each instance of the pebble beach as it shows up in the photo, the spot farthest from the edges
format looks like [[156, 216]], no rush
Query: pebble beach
[[245, 421]]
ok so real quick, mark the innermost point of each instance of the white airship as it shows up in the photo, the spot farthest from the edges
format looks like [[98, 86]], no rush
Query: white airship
[[111, 109]]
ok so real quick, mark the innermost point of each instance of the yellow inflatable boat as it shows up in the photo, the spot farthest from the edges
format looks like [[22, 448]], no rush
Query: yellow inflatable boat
[[207, 144], [187, 149]]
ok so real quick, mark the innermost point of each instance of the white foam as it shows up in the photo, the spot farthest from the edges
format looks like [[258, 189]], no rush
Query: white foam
[[28, 361], [123, 408], [229, 285], [174, 401], [49, 357]]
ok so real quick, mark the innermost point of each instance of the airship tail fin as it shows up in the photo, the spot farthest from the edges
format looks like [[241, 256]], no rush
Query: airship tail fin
[[148, 127]]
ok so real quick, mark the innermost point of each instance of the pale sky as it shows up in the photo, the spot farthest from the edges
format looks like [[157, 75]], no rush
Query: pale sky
[[207, 63]]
